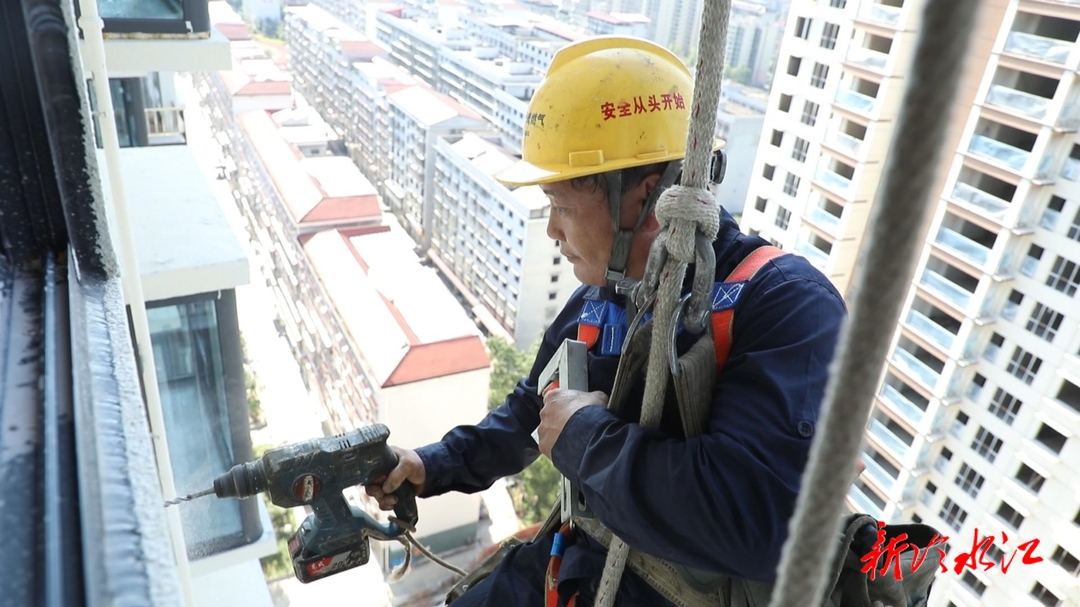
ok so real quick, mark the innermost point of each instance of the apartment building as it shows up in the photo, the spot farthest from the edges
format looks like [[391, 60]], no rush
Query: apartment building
[[974, 428], [600, 23], [675, 24], [739, 120], [494, 240], [753, 42]]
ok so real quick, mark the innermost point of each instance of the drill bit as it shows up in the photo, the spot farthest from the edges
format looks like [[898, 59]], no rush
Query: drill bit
[[189, 497]]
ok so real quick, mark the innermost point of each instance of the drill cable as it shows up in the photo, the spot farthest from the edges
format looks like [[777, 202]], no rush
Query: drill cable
[[409, 542]]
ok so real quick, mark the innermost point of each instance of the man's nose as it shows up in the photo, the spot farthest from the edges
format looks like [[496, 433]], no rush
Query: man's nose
[[554, 232]]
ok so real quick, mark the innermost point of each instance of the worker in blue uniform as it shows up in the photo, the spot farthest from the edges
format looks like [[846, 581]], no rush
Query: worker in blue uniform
[[719, 502]]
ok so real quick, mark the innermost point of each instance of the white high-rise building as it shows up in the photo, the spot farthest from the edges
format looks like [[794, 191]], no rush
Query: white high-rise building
[[975, 428]]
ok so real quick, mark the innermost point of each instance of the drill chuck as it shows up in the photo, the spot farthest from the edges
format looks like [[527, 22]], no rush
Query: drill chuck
[[242, 481]]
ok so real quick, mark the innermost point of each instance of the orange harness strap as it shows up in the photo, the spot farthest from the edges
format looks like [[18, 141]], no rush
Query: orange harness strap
[[726, 295]]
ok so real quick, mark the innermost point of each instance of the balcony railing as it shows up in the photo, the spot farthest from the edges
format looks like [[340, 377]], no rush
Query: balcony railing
[[846, 142], [165, 123], [1038, 47], [962, 246], [907, 361], [882, 13], [946, 289], [994, 206], [823, 218], [905, 407], [997, 152], [816, 256], [191, 17], [833, 180], [1071, 169], [890, 441], [879, 474], [864, 504], [1019, 101], [931, 330], [855, 101], [868, 58]]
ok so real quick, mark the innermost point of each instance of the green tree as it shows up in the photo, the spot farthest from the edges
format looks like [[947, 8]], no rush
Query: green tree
[[278, 565], [508, 366], [537, 491], [740, 74]]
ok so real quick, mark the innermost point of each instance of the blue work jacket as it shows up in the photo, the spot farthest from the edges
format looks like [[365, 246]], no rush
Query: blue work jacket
[[719, 502]]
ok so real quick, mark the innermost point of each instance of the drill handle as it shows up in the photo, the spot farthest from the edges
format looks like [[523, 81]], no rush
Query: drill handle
[[405, 509]]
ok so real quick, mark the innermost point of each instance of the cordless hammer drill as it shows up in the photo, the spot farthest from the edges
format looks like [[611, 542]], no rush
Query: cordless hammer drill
[[334, 538]]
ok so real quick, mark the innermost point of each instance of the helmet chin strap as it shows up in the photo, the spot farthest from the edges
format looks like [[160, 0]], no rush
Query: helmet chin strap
[[620, 248]]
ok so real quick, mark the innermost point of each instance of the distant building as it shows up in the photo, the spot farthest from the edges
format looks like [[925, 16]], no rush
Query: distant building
[[616, 24], [753, 43], [264, 13], [739, 119], [494, 241]]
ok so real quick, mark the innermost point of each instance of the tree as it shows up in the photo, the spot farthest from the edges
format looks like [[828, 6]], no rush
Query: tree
[[740, 74], [537, 492], [508, 366]]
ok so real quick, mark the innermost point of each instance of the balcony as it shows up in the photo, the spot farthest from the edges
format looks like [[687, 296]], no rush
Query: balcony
[[909, 410], [999, 153], [915, 367], [1020, 102], [868, 58], [165, 125], [1050, 50], [832, 180], [962, 246], [992, 205], [824, 219], [845, 142], [161, 35], [864, 504], [932, 331], [892, 443], [854, 101], [879, 474], [882, 13], [1071, 169], [815, 255], [945, 289], [174, 17]]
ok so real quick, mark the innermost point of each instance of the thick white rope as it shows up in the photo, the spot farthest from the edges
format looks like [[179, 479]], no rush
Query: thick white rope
[[682, 212], [882, 281]]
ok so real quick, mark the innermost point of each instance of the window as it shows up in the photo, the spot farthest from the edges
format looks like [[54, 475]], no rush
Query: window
[[821, 73], [793, 65], [1009, 515], [994, 554], [1024, 365], [958, 424], [1069, 395], [809, 113], [1064, 276], [1052, 213], [969, 480], [196, 345], [783, 216], [1074, 229], [953, 515], [556, 261], [761, 204], [777, 138], [977, 384], [1050, 438], [552, 295], [1044, 322], [1012, 305], [993, 347], [838, 3], [973, 583], [791, 185], [798, 151], [802, 28], [1005, 406], [1067, 561], [943, 460], [915, 518], [785, 103], [1030, 479], [1031, 262], [554, 278], [927, 494], [767, 173], [1044, 596], [986, 444], [828, 35]]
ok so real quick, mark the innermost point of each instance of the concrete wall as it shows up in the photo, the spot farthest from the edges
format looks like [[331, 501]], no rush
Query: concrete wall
[[743, 135]]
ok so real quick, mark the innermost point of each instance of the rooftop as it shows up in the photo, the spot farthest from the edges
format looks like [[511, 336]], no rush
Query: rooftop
[[560, 30], [172, 209], [319, 193], [490, 160], [618, 18], [228, 21], [354, 44], [252, 74], [430, 108], [405, 323]]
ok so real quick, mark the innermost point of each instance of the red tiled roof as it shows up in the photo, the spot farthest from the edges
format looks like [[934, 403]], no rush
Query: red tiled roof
[[362, 50], [234, 31]]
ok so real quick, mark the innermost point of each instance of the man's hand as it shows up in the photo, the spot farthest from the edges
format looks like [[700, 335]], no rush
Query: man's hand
[[409, 468], [559, 405]]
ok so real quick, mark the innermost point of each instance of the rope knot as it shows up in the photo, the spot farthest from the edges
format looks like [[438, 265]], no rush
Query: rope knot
[[687, 211]]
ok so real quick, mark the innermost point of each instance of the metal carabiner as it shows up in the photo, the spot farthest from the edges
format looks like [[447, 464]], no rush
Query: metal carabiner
[[673, 354]]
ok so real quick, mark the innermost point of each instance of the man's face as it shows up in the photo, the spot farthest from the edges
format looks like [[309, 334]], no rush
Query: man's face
[[581, 223]]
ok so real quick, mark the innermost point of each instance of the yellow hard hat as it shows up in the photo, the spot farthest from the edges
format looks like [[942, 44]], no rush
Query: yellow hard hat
[[606, 103]]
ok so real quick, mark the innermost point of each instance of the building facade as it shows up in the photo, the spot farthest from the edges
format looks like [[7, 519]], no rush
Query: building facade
[[974, 427]]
